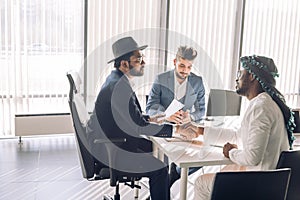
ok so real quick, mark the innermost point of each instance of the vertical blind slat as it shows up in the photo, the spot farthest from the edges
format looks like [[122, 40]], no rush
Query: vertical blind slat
[[36, 51], [276, 37]]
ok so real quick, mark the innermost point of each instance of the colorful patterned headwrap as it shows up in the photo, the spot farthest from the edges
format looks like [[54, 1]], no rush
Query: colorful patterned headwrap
[[265, 71]]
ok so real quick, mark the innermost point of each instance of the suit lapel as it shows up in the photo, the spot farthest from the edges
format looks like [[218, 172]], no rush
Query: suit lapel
[[136, 101], [189, 91], [170, 84], [133, 96]]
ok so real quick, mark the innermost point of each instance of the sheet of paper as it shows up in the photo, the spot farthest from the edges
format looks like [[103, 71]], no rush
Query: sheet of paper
[[173, 108]]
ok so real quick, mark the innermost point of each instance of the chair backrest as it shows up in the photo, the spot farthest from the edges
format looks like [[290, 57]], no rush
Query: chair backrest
[[87, 161], [93, 155], [223, 103], [258, 185], [291, 159]]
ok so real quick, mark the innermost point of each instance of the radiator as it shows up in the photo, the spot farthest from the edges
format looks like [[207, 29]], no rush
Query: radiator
[[42, 124]]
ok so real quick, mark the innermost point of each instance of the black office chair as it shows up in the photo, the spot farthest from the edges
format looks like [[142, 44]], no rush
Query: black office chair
[[96, 152], [223, 103], [291, 159], [250, 185]]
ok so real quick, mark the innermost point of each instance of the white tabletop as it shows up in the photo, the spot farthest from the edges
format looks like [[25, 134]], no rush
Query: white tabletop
[[194, 153], [188, 154]]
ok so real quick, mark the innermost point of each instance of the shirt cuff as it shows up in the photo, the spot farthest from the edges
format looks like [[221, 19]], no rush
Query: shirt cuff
[[192, 117], [146, 117], [232, 152]]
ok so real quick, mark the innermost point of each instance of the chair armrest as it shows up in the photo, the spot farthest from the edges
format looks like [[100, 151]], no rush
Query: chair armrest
[[103, 141]]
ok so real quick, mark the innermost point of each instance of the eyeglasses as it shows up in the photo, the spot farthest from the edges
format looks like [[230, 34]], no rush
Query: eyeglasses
[[139, 59], [238, 74]]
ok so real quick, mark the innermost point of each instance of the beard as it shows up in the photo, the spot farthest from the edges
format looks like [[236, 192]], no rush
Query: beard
[[242, 89], [136, 72], [243, 84], [180, 76]]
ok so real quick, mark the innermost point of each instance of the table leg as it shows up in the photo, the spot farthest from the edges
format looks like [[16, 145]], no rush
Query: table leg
[[155, 151], [183, 183], [161, 156]]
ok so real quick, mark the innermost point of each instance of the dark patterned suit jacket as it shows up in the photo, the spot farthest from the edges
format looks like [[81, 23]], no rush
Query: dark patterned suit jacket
[[120, 116]]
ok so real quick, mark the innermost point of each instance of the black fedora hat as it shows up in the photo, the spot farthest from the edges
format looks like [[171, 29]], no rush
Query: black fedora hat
[[124, 46]]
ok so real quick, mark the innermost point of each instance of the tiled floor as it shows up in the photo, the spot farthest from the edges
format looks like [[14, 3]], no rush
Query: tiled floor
[[48, 168]]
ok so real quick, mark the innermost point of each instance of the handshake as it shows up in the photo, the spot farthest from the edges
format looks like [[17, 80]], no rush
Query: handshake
[[184, 125], [180, 118], [189, 130]]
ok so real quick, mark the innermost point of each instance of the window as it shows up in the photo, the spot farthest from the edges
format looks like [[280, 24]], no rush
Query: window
[[271, 28], [40, 41], [43, 39], [210, 26]]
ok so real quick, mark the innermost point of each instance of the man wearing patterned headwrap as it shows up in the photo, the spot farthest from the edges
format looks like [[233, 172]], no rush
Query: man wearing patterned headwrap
[[266, 128]]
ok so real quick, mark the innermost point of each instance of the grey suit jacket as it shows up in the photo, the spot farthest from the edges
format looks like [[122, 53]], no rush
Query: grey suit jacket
[[162, 94]]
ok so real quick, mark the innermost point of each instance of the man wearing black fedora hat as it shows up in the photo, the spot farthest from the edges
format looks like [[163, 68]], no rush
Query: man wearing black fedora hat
[[120, 116]]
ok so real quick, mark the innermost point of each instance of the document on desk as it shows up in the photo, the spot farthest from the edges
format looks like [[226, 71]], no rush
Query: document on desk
[[173, 108]]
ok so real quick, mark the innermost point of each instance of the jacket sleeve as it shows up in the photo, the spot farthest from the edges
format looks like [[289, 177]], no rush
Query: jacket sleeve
[[128, 116]]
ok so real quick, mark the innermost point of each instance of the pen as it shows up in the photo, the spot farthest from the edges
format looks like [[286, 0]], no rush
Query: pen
[[214, 145]]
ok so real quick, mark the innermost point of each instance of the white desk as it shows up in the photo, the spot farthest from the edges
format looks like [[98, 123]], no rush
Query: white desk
[[185, 155], [296, 144]]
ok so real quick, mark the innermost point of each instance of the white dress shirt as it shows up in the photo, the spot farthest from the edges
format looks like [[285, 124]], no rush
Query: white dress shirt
[[261, 137], [179, 88]]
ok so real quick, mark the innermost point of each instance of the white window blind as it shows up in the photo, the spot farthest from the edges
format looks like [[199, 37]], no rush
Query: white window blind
[[109, 20], [210, 26], [207, 25], [40, 41], [272, 29]]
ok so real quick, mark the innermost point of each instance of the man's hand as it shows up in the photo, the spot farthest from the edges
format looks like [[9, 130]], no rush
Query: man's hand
[[227, 147], [188, 131], [186, 117], [159, 118], [176, 117]]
